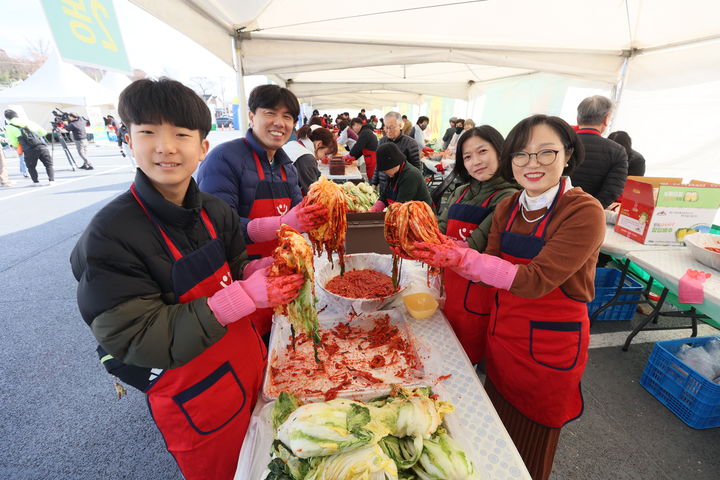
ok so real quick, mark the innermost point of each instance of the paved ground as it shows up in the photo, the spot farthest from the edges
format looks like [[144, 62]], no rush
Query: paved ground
[[59, 417]]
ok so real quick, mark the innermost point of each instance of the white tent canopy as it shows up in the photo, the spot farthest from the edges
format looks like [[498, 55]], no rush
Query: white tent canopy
[[57, 84], [583, 38]]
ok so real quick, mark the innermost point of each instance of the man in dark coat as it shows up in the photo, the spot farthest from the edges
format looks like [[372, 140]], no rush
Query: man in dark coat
[[407, 145], [603, 172]]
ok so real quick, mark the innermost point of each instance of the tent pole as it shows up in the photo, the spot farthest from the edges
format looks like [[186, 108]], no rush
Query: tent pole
[[240, 83], [618, 89]]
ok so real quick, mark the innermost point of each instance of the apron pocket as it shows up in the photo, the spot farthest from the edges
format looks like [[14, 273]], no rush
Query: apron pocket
[[477, 299], [555, 344], [214, 401]]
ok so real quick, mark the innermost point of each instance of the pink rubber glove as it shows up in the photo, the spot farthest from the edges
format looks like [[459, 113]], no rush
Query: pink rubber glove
[[690, 287], [396, 251], [300, 217], [243, 297], [255, 265], [469, 263], [378, 207], [305, 218], [349, 158]]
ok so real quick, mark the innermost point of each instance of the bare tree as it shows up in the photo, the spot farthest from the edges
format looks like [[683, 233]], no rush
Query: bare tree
[[203, 86]]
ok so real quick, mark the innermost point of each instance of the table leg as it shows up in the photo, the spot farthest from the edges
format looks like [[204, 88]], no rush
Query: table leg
[[650, 317]]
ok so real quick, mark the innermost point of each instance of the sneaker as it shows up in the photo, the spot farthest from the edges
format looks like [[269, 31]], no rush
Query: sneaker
[[51, 182], [7, 184], [83, 167], [26, 175], [36, 184], [89, 167]]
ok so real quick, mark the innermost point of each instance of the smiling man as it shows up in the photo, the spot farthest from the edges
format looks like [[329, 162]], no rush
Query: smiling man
[[257, 179]]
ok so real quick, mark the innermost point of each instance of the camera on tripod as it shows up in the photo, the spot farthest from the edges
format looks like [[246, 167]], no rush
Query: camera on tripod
[[60, 117]]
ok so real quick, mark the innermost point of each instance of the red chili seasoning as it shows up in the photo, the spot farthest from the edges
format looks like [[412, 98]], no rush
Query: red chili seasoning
[[361, 284], [377, 361]]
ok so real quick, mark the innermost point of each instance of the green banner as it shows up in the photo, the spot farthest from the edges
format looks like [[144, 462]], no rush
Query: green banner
[[87, 33]]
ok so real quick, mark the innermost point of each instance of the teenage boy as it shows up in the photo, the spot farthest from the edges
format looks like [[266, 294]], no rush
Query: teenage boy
[[257, 179], [166, 287]]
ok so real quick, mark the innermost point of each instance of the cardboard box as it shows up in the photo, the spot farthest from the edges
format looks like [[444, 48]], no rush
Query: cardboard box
[[366, 233], [661, 211]]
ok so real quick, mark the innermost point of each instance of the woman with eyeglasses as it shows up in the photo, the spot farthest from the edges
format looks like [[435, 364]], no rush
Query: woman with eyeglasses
[[541, 255], [467, 220]]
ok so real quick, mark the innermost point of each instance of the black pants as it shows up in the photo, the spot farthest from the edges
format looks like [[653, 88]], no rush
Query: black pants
[[31, 159]]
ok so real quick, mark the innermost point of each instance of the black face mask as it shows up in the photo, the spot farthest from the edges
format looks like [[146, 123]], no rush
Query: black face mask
[[459, 129]]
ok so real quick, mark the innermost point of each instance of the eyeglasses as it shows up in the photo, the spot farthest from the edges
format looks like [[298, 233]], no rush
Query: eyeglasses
[[544, 157]]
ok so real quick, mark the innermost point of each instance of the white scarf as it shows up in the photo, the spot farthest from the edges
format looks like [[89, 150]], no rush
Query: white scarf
[[530, 204]]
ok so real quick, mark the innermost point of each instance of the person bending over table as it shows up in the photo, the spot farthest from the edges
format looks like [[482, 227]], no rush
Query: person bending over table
[[313, 143], [257, 179], [467, 221], [541, 253], [405, 182]]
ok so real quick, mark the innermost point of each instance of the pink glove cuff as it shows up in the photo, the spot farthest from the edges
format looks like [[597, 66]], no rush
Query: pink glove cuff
[[488, 269], [255, 265], [231, 304], [378, 207], [264, 229], [291, 218]]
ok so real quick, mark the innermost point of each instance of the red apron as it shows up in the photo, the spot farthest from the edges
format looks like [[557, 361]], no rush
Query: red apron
[[271, 199], [370, 157], [468, 305], [537, 348], [203, 408], [391, 191]]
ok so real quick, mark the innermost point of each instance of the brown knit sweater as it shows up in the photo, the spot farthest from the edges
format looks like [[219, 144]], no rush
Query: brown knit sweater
[[573, 238]]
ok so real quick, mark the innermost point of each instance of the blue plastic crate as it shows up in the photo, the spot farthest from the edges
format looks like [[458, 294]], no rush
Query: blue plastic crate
[[606, 283], [689, 395]]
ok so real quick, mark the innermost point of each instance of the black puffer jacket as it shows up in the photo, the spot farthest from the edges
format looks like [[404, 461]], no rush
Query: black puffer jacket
[[409, 147], [603, 172], [125, 292], [636, 164]]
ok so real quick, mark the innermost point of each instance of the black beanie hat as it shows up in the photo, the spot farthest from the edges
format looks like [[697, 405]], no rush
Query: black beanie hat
[[388, 156], [10, 114]]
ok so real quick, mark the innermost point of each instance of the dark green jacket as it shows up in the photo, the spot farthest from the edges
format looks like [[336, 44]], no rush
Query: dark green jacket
[[479, 191], [410, 185]]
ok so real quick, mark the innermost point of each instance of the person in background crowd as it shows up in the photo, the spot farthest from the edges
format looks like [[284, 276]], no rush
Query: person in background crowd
[[76, 126], [459, 129], [366, 145], [258, 180], [315, 120], [406, 125], [605, 169], [468, 124], [165, 286], [373, 121], [448, 135], [313, 144], [541, 253], [4, 178], [124, 146], [361, 115], [418, 129], [347, 137], [636, 162], [467, 221], [408, 147], [405, 182], [35, 149]]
